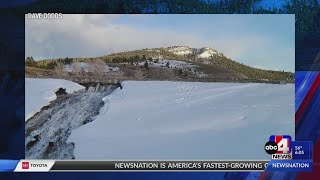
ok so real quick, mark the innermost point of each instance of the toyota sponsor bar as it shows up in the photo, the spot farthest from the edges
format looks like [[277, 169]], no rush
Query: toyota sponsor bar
[[34, 165], [75, 165]]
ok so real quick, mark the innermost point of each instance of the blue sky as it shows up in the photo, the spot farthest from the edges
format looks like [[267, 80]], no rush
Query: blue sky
[[263, 41]]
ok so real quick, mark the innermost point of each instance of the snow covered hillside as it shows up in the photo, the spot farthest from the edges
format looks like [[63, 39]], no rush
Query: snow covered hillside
[[89, 67], [180, 50], [205, 52], [186, 120], [208, 52], [171, 63], [174, 64], [39, 93]]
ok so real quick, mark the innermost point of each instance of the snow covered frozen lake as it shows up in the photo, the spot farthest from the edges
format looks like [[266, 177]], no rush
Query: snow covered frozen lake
[[161, 120]]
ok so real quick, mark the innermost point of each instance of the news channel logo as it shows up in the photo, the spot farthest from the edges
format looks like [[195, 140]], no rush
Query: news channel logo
[[279, 147]]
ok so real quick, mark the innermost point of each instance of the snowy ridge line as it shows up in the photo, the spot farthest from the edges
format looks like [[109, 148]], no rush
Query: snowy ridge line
[[204, 52]]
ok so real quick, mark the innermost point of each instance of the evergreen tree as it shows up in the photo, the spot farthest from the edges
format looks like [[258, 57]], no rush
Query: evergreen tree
[[146, 65], [31, 62], [167, 64], [144, 58]]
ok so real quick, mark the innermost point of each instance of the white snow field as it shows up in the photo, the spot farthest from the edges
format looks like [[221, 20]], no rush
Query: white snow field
[[39, 93], [161, 120]]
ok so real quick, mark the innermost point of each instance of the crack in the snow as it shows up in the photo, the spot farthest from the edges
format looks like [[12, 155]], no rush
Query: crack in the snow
[[47, 131]]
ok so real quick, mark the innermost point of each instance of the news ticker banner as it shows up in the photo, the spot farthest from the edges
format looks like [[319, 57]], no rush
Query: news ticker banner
[[75, 165], [286, 155]]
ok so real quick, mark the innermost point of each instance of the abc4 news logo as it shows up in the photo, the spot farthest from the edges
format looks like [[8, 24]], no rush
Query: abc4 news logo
[[279, 147]]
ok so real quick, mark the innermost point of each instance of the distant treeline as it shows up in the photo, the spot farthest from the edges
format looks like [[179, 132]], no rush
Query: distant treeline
[[133, 57], [49, 64], [129, 57], [252, 73], [306, 11]]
